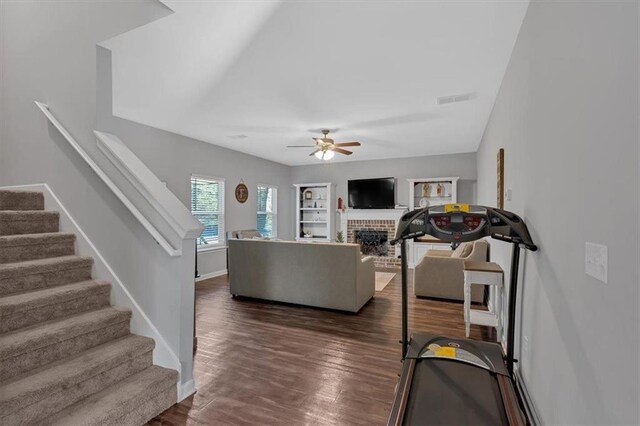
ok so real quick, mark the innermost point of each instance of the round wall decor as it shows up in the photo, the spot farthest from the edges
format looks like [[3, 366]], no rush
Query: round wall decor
[[242, 192]]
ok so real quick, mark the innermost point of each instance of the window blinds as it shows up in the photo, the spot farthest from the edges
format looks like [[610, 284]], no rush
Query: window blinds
[[207, 205]]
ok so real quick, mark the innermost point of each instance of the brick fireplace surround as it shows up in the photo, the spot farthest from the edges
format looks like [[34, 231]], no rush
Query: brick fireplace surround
[[385, 225], [383, 220]]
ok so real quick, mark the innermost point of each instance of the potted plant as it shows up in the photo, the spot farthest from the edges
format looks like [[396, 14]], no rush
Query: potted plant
[[339, 237]]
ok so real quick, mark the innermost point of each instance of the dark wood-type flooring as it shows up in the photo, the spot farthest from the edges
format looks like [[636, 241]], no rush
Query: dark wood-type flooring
[[267, 363]]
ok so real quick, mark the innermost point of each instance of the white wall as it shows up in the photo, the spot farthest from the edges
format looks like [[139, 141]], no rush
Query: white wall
[[173, 158], [461, 165], [567, 116]]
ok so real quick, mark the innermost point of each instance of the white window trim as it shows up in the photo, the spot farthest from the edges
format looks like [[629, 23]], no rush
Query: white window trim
[[222, 240], [275, 208]]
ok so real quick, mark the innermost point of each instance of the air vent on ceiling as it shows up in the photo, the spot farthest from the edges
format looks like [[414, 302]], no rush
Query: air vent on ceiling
[[456, 98]]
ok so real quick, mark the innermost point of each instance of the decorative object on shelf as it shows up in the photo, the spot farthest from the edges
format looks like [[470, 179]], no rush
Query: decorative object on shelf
[[340, 237], [500, 174], [424, 202], [425, 190], [439, 189], [315, 204], [308, 235], [308, 194], [340, 207], [242, 192]]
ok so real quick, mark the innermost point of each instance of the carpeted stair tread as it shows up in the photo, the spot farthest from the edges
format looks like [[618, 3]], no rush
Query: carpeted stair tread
[[43, 334], [35, 306], [14, 222], [43, 273], [132, 401], [17, 248], [40, 393], [32, 347], [21, 200]]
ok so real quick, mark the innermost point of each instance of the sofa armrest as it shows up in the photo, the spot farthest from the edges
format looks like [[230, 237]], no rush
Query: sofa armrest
[[365, 281]]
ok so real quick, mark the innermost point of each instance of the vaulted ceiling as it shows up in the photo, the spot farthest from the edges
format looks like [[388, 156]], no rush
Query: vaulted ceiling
[[256, 76]]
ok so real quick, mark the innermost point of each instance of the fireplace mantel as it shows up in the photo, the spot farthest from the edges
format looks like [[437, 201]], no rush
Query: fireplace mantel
[[370, 214]]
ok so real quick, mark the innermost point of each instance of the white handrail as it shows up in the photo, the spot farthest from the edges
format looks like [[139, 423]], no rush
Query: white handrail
[[157, 236], [156, 193]]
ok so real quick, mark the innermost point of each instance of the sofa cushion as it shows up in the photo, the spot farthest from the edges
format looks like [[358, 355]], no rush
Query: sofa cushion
[[463, 250]]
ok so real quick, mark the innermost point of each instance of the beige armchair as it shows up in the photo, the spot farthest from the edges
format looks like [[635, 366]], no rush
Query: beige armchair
[[440, 272]]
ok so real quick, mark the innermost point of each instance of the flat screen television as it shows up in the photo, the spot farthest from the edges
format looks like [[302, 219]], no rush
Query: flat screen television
[[377, 193]]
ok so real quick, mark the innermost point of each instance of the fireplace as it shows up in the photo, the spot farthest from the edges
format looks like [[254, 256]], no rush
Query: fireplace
[[373, 236], [372, 242]]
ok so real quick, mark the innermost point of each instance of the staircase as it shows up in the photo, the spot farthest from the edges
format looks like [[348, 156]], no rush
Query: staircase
[[67, 357]]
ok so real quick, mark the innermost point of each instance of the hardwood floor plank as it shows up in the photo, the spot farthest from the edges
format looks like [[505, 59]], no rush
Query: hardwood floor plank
[[268, 363]]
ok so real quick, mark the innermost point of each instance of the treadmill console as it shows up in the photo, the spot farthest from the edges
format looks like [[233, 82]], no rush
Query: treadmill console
[[464, 222]]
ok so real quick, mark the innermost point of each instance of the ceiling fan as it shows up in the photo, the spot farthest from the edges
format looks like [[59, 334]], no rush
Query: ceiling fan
[[327, 147]]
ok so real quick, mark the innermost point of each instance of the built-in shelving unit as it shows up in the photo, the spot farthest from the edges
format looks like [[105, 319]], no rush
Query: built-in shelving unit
[[315, 217], [427, 192]]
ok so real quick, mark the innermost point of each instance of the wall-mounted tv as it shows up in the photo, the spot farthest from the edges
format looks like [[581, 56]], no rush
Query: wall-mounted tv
[[377, 193]]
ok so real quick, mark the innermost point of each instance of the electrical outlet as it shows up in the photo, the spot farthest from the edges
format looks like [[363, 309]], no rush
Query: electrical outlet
[[596, 261]]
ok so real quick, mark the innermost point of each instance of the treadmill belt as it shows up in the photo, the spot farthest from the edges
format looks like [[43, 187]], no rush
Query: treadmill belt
[[445, 392]]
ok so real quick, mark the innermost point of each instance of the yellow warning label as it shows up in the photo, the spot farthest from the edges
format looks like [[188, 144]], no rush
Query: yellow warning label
[[448, 208], [446, 352]]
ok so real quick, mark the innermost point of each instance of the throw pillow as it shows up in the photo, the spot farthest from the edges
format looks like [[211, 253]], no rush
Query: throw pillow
[[249, 235], [463, 250]]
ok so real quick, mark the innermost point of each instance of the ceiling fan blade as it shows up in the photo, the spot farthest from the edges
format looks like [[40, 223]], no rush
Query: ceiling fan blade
[[314, 152], [300, 146], [342, 151], [318, 140], [348, 144]]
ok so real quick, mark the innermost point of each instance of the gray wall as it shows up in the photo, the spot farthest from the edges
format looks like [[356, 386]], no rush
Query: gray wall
[[567, 116], [461, 165], [54, 61], [173, 158]]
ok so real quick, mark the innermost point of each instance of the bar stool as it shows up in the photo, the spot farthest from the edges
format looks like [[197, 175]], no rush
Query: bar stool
[[484, 273]]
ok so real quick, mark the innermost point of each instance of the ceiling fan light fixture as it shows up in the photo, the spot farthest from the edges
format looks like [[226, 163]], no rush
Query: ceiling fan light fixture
[[324, 155]]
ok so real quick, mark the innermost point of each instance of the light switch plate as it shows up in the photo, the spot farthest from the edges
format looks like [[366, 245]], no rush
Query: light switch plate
[[507, 194], [596, 261]]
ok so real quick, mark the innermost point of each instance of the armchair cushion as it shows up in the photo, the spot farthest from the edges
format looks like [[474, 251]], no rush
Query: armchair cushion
[[443, 277], [463, 251]]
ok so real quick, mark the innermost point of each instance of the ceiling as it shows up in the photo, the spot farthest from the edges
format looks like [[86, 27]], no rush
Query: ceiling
[[256, 76]]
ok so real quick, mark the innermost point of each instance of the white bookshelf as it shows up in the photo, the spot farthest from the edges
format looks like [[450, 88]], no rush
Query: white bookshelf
[[315, 212], [428, 192]]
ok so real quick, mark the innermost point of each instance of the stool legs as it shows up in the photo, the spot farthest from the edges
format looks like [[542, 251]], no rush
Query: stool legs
[[467, 303]]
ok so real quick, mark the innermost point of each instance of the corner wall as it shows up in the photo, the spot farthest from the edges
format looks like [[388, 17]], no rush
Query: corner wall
[[567, 117], [173, 158]]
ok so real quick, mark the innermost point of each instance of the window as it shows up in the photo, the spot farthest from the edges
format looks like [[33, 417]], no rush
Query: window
[[267, 201], [207, 205]]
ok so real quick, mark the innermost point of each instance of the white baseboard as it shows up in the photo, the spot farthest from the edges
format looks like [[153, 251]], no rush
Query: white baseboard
[[185, 390], [211, 275], [529, 407]]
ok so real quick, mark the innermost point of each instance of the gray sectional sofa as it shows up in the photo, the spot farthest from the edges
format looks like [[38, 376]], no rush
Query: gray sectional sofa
[[324, 275]]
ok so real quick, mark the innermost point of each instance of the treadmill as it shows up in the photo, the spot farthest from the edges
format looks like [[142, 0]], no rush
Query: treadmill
[[459, 381]]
